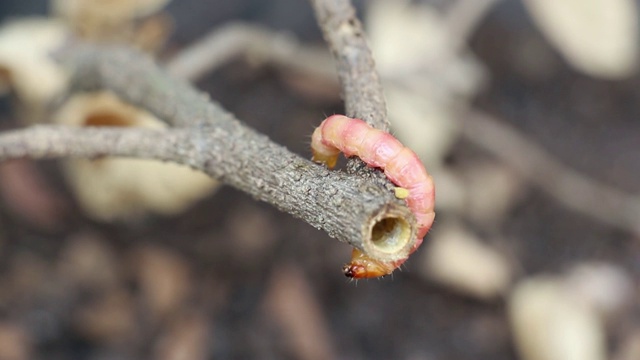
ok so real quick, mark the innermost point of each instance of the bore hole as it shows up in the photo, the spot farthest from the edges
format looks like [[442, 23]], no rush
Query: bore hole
[[106, 118], [390, 234]]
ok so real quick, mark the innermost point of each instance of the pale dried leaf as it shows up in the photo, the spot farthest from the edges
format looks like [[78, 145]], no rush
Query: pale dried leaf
[[25, 63], [451, 192], [551, 323], [457, 258], [116, 188], [405, 36], [605, 287], [427, 80], [114, 9], [492, 190], [599, 37], [425, 124]]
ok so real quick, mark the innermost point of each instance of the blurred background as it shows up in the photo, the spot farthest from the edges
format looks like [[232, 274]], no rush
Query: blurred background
[[525, 112]]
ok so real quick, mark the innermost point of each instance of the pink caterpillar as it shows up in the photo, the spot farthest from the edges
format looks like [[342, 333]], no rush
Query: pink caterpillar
[[401, 165]]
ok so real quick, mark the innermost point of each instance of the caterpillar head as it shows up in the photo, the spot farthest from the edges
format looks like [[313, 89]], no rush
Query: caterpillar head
[[363, 267]]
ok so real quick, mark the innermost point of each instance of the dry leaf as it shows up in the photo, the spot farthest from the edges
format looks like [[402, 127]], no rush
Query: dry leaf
[[606, 288], [551, 323], [111, 10], [427, 81], [456, 258], [492, 190], [598, 37], [117, 188], [113, 20], [26, 67]]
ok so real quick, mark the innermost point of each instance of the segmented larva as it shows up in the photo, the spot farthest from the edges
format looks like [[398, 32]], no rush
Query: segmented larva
[[401, 165]]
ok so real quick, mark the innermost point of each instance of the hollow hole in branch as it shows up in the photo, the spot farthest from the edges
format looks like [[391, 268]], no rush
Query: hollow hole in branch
[[390, 234]]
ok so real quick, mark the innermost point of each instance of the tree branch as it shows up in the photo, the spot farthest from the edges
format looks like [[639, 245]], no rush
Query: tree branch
[[361, 85], [256, 42], [602, 203], [136, 79], [50, 141], [347, 206]]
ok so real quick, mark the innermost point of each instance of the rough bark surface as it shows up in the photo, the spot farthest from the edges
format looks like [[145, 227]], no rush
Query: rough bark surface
[[362, 91], [346, 206]]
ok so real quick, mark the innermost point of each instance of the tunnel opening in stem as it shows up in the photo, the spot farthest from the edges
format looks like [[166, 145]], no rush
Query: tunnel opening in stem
[[390, 235]]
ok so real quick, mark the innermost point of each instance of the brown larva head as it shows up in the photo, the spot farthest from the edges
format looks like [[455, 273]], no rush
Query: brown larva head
[[358, 271], [353, 271], [363, 267]]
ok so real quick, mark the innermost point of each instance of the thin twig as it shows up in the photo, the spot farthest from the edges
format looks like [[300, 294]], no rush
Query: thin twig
[[362, 90], [572, 189], [135, 78], [254, 42], [360, 83], [604, 204], [346, 206], [48, 141]]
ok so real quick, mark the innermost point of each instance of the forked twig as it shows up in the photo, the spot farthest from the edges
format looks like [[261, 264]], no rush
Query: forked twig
[[348, 206]]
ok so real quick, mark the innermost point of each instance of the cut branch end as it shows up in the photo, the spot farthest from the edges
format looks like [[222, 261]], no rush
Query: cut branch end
[[390, 234]]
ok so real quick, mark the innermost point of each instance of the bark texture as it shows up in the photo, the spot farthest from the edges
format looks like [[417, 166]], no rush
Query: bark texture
[[362, 90], [207, 138]]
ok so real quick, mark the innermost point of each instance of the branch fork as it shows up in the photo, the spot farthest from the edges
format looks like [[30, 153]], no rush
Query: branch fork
[[353, 207]]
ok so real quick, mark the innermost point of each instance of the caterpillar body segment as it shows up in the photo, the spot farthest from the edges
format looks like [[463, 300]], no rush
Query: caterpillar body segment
[[354, 137], [327, 155]]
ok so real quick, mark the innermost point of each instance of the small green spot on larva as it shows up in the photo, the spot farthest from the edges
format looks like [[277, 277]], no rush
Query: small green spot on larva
[[401, 193]]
